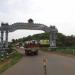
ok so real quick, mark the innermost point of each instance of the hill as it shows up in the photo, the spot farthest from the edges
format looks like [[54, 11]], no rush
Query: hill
[[62, 40]]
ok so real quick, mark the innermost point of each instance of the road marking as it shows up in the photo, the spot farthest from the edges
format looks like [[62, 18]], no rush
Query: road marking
[[45, 65]]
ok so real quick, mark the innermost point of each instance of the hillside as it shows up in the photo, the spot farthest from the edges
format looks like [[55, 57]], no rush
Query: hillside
[[62, 40]]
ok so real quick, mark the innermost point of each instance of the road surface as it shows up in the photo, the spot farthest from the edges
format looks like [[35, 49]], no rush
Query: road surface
[[33, 65]]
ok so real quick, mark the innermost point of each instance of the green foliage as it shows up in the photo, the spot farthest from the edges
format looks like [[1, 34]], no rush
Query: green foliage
[[34, 37], [13, 40], [15, 57], [12, 60], [65, 41], [67, 50], [62, 40], [10, 48]]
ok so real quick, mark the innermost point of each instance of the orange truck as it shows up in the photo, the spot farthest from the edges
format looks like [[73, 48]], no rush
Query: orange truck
[[31, 48]]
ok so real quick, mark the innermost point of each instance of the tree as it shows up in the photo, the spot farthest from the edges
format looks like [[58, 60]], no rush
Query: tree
[[13, 40]]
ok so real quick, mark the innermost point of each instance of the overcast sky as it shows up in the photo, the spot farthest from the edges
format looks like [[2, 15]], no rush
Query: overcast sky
[[60, 13]]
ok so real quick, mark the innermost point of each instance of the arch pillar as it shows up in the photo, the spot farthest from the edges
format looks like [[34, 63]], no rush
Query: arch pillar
[[53, 32], [2, 36], [6, 39]]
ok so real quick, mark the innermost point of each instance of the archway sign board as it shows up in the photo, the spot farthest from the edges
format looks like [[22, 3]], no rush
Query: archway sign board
[[6, 28]]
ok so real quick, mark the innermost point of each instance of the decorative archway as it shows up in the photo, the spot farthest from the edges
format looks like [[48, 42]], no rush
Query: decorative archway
[[5, 27]]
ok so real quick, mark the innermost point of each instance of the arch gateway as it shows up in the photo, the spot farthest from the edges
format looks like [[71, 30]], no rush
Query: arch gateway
[[6, 28]]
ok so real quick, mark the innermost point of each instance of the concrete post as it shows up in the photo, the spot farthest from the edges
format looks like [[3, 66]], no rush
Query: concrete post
[[52, 40], [6, 40], [2, 34]]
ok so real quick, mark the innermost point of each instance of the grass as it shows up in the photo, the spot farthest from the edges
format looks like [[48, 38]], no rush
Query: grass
[[7, 63], [66, 50]]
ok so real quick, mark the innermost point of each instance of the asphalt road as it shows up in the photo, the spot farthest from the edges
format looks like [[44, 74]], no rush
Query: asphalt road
[[33, 65]]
